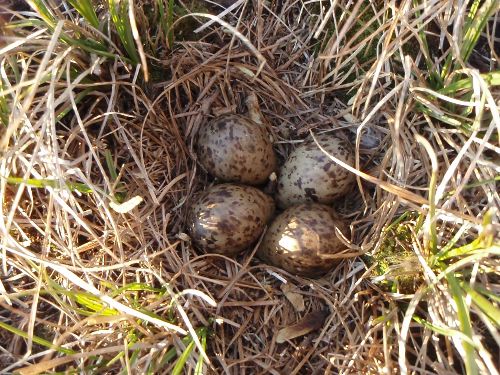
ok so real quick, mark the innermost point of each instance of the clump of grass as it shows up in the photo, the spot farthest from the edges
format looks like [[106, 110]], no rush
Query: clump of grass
[[396, 266], [452, 156], [57, 213], [98, 170], [444, 98]]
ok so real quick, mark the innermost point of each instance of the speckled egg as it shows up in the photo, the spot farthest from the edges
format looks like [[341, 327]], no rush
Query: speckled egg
[[229, 218], [309, 175], [233, 148], [301, 238]]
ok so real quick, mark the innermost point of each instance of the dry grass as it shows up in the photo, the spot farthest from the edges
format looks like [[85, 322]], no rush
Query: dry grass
[[118, 285]]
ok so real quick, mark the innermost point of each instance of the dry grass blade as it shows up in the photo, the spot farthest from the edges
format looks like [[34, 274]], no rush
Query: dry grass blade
[[138, 42], [100, 110], [237, 34]]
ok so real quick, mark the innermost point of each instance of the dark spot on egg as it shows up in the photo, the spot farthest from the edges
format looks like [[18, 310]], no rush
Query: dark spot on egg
[[299, 238], [310, 175], [310, 193], [233, 148], [229, 218]]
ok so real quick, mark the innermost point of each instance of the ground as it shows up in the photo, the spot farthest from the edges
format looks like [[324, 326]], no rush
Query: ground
[[100, 107]]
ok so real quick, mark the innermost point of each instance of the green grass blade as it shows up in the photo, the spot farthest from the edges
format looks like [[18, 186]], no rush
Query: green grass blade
[[465, 324], [119, 15], [451, 243], [170, 22], [45, 183], [459, 251], [186, 340], [163, 20], [85, 8], [36, 339], [486, 306], [90, 46], [395, 223], [445, 331], [44, 12], [111, 165], [485, 241], [132, 340], [31, 22], [199, 364], [133, 360], [136, 287], [181, 362], [435, 78], [13, 64], [488, 293], [486, 236], [78, 98], [87, 45], [475, 25], [472, 14], [134, 357], [115, 359], [92, 303], [120, 188], [441, 116], [491, 79], [475, 185], [433, 240], [87, 300], [471, 249], [172, 353], [4, 108]]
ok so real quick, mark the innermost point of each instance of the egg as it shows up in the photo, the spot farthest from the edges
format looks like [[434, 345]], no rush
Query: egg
[[229, 218], [301, 238], [233, 148], [309, 175]]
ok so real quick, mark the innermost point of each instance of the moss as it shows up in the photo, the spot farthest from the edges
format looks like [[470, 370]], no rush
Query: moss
[[397, 266], [184, 29]]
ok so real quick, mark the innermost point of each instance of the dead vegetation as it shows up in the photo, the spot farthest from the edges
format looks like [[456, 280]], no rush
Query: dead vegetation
[[98, 170]]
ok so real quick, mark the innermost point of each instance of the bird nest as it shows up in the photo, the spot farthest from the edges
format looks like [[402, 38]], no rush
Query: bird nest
[[253, 302], [119, 173]]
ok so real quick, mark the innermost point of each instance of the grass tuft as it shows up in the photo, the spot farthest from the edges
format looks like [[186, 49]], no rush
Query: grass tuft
[[100, 106]]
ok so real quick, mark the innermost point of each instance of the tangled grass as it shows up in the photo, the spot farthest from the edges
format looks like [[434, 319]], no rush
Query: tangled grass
[[100, 104]]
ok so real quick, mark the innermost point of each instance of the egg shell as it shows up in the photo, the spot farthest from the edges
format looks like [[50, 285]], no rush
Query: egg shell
[[233, 148], [229, 218], [300, 239], [309, 175]]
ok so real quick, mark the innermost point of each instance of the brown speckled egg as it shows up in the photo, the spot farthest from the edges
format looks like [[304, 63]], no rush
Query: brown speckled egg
[[300, 238], [229, 218], [233, 148], [309, 175]]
